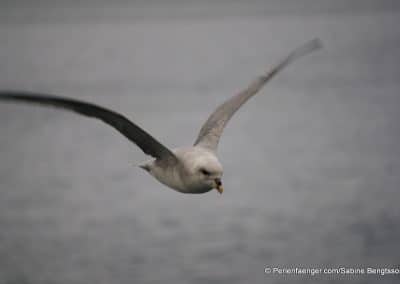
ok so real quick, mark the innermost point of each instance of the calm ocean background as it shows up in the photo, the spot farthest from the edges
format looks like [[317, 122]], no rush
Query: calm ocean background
[[312, 169]]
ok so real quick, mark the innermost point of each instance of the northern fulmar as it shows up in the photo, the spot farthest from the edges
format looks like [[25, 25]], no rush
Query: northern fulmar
[[194, 169]]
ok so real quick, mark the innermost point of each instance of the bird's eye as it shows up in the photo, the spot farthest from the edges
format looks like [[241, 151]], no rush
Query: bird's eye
[[205, 172]]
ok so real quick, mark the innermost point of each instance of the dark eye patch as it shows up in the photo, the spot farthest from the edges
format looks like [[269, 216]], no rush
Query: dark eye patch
[[205, 172]]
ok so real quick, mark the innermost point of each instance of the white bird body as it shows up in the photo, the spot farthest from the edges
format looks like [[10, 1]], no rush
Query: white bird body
[[193, 169], [184, 176]]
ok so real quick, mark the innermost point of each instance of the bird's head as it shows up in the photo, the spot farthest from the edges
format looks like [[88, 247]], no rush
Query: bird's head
[[206, 171], [210, 176]]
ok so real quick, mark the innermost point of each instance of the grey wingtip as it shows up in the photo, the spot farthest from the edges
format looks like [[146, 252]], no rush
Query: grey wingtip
[[310, 46], [316, 43], [306, 48]]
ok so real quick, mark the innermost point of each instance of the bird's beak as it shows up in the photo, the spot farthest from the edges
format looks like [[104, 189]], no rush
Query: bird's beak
[[218, 185]]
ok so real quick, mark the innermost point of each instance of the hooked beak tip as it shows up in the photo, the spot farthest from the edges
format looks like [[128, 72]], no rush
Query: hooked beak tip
[[218, 186]]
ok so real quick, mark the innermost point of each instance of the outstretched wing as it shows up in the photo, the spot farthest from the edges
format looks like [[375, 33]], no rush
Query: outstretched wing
[[134, 133], [211, 131]]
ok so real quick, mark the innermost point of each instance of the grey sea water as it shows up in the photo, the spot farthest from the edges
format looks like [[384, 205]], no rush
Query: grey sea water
[[312, 169]]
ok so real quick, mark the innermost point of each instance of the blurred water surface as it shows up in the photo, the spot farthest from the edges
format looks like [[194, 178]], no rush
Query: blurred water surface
[[312, 169]]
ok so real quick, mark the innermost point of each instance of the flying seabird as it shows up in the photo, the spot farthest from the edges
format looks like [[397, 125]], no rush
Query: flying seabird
[[194, 169]]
